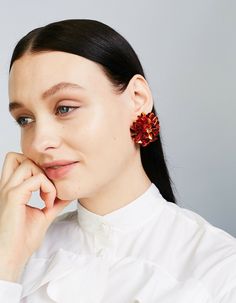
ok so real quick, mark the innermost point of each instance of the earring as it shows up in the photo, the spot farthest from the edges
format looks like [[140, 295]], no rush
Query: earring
[[145, 129]]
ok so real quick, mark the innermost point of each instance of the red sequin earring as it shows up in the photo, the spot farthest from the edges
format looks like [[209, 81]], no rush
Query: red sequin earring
[[145, 129]]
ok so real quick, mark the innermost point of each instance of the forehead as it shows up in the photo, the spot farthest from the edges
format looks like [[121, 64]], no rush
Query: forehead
[[35, 73]]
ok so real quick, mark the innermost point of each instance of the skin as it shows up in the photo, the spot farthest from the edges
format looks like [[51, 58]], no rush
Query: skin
[[97, 133], [89, 125]]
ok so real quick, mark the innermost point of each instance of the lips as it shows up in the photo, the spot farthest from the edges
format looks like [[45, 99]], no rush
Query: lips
[[57, 163], [58, 169]]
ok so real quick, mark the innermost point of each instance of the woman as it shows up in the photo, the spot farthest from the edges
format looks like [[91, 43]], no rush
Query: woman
[[89, 131]]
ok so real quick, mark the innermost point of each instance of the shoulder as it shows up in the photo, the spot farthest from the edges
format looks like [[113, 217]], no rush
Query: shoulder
[[190, 225], [194, 248], [196, 221]]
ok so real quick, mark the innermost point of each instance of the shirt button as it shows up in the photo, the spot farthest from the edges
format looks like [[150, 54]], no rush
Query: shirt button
[[101, 253], [105, 227]]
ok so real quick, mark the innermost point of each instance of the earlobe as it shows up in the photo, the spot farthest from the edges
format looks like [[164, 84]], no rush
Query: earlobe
[[140, 94]]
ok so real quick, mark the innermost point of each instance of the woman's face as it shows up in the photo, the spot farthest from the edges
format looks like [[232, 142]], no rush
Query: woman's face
[[69, 112]]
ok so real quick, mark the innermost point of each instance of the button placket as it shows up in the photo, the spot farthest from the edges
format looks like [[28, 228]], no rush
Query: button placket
[[105, 228], [102, 239]]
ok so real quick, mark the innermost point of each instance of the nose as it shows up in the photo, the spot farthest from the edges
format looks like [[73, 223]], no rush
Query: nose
[[46, 136]]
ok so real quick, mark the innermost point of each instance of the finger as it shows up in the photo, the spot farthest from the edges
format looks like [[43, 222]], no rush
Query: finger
[[11, 162], [24, 171], [48, 197], [40, 182]]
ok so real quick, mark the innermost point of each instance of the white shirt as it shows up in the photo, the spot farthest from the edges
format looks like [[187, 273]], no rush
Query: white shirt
[[148, 251]]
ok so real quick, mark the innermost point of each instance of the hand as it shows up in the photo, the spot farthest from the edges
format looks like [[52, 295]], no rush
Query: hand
[[23, 227]]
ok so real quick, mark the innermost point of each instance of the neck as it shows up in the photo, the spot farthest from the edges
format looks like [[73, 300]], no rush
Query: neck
[[118, 192]]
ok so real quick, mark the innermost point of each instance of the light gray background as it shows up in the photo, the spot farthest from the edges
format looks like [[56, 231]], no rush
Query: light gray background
[[188, 50]]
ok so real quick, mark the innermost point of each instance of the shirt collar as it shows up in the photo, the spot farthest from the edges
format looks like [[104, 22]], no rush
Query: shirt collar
[[129, 217]]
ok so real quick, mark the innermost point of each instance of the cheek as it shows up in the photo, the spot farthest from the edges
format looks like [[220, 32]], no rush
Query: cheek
[[92, 129], [108, 139], [24, 144], [102, 132]]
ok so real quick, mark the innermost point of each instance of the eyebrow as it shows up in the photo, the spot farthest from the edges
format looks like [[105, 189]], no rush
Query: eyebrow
[[48, 93]]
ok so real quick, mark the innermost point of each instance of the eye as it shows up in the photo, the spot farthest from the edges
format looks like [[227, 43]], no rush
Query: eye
[[63, 110], [22, 121]]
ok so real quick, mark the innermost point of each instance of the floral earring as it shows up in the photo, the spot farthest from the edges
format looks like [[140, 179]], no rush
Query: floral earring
[[145, 129]]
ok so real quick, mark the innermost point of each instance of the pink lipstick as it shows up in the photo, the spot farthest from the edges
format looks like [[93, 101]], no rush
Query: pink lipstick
[[58, 169]]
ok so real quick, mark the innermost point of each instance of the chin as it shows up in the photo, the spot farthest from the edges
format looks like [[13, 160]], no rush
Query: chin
[[68, 189], [66, 192]]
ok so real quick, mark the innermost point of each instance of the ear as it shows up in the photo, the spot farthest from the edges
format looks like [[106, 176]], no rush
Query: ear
[[140, 96]]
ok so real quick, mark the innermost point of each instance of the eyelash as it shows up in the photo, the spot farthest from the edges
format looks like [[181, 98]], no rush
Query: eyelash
[[18, 120]]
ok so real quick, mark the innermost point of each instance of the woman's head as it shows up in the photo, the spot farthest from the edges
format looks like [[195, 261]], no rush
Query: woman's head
[[89, 119]]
